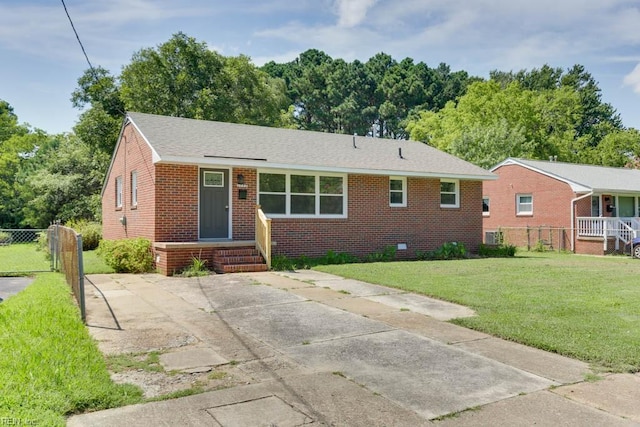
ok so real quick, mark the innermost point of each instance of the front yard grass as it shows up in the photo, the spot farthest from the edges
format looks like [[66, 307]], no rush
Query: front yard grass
[[49, 365], [583, 307], [22, 257]]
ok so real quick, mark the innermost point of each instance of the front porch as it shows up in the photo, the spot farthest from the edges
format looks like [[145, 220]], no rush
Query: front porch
[[605, 235], [221, 256]]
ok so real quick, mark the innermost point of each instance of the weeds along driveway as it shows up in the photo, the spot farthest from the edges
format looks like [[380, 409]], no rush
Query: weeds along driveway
[[311, 333]]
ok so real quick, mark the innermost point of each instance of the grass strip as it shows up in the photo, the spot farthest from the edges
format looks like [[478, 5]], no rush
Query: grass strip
[[580, 306], [49, 365], [22, 257]]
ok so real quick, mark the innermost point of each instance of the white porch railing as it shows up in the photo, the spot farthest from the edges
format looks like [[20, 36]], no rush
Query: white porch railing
[[263, 235], [623, 229]]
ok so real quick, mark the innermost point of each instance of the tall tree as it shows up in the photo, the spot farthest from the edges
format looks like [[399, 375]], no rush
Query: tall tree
[[184, 78]]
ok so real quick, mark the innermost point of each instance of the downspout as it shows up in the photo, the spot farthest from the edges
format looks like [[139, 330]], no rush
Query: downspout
[[573, 218]]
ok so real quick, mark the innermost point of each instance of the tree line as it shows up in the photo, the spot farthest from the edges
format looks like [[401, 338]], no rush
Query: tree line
[[534, 114]]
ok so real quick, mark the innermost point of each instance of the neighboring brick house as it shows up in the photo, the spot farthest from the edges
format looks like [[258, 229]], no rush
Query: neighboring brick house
[[592, 209], [192, 187]]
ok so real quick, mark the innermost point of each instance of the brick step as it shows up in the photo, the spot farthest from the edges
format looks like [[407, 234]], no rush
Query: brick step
[[236, 252], [243, 268], [238, 260]]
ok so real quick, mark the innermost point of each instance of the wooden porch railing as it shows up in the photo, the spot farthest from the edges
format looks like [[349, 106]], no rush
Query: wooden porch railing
[[263, 235], [623, 229]]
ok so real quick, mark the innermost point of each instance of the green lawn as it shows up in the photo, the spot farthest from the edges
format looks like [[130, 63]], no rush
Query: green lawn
[[49, 365], [23, 257], [579, 306], [26, 258]]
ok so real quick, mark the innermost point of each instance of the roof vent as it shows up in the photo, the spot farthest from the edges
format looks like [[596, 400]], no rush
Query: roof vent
[[354, 140], [400, 152]]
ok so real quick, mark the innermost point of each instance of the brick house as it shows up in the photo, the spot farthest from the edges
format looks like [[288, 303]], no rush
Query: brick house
[[591, 209], [211, 189]]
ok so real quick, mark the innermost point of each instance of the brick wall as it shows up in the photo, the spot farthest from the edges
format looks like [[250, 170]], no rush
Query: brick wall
[[133, 154], [372, 224], [177, 207], [551, 199]]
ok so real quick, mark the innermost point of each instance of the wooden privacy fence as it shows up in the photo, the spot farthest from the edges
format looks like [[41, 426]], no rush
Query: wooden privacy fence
[[65, 246]]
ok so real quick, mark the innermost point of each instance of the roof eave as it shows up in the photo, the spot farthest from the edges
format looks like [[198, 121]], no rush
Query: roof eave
[[264, 164]]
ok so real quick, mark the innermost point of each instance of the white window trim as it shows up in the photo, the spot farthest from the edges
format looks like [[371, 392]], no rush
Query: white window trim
[[520, 212], [404, 191], [487, 213], [317, 193], [134, 189], [457, 193], [119, 190]]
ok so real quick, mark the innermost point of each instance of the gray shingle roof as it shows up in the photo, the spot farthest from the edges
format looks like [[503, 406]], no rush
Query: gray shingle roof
[[586, 177], [175, 139]]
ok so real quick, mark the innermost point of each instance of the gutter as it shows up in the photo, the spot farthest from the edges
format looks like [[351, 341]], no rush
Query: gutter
[[573, 217]]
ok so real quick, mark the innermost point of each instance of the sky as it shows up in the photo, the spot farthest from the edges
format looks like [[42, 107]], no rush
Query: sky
[[41, 60]]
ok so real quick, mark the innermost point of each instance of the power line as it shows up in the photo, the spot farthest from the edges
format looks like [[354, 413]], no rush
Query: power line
[[78, 37]]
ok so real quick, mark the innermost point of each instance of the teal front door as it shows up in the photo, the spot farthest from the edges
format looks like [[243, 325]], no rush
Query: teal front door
[[214, 204]]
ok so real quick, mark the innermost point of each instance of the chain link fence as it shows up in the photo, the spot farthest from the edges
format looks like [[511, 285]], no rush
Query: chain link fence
[[22, 252], [65, 246], [540, 237]]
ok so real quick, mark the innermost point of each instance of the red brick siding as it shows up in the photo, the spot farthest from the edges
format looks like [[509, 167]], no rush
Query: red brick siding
[[244, 211], [372, 224], [133, 154], [551, 199], [177, 207], [170, 262]]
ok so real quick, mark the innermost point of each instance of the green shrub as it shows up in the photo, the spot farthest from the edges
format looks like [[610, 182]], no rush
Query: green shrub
[[196, 268], [449, 250], [127, 255], [539, 247], [332, 257], [91, 233], [5, 237], [282, 263], [499, 251], [387, 254]]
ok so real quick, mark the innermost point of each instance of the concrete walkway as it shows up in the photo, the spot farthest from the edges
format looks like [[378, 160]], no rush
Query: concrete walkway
[[316, 349]]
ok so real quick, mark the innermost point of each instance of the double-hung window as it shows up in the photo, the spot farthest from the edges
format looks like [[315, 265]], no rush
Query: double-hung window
[[119, 192], [485, 206], [134, 189], [397, 191], [524, 204], [449, 193], [302, 195]]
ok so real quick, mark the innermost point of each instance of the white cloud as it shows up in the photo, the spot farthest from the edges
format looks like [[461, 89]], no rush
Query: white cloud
[[352, 12], [633, 79]]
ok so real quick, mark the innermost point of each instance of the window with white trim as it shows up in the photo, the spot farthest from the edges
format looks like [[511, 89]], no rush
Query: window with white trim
[[134, 189], [449, 193], [302, 195], [524, 204], [119, 192], [397, 191], [485, 206]]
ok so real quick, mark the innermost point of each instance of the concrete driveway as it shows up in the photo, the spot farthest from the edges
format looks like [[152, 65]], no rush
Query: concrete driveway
[[316, 349]]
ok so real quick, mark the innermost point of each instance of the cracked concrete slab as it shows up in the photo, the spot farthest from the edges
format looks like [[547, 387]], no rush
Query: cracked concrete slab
[[198, 359], [270, 410], [438, 309], [286, 325], [423, 375]]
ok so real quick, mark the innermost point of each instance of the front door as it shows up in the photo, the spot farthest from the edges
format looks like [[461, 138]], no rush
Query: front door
[[214, 204]]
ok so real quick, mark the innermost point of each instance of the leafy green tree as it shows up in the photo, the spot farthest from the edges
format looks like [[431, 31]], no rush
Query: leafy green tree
[[491, 122], [184, 78], [63, 183]]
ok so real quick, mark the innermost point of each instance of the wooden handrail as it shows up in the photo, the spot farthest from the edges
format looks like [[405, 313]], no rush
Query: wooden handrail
[[263, 235]]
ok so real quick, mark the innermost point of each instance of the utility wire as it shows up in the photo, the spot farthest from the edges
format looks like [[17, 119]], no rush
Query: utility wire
[[78, 37]]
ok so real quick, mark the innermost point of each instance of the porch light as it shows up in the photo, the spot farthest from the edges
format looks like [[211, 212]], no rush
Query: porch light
[[240, 179]]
